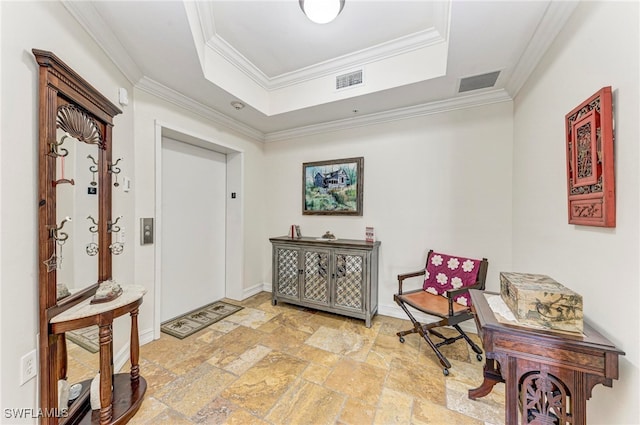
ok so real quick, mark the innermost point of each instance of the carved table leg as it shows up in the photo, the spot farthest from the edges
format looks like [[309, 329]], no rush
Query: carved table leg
[[134, 348], [579, 401], [512, 393], [491, 378], [106, 373]]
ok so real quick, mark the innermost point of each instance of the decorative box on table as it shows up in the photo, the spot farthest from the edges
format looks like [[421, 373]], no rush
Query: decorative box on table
[[540, 301]]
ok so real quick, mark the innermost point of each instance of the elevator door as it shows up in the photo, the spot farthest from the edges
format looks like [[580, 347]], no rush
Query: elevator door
[[193, 227]]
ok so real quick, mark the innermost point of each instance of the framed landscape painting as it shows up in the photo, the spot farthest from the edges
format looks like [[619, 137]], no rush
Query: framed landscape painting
[[333, 187]]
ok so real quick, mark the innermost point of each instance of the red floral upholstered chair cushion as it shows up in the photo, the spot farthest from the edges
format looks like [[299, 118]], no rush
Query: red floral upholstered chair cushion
[[446, 272]]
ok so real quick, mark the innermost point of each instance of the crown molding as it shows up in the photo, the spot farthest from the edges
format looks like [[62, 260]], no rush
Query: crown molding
[[176, 98], [220, 47], [382, 51], [204, 10], [463, 102], [554, 19], [93, 23], [388, 49]]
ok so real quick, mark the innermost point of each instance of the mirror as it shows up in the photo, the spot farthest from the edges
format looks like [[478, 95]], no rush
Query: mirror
[[77, 199]]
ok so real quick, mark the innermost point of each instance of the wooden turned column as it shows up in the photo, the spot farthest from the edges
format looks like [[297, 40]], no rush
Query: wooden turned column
[[134, 347], [61, 348], [106, 372]]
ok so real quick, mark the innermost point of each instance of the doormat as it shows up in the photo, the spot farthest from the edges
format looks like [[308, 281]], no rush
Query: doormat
[[190, 323], [86, 338]]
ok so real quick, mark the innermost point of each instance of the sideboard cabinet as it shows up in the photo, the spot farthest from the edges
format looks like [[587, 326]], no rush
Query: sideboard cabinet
[[339, 276]]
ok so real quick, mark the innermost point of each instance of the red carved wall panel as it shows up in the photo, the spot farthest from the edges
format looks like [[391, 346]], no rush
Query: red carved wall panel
[[590, 173]]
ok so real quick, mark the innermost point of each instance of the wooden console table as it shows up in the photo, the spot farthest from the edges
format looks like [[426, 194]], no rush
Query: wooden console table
[[120, 394], [548, 375]]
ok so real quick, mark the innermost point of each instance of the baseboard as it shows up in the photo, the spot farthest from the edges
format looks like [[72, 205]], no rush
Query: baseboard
[[255, 289], [122, 357], [393, 310], [146, 336]]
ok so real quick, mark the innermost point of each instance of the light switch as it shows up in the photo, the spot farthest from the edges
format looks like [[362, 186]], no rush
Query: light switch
[[126, 184], [123, 96], [146, 231]]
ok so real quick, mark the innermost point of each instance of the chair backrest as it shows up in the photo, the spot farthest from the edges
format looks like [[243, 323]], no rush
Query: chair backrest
[[445, 272]]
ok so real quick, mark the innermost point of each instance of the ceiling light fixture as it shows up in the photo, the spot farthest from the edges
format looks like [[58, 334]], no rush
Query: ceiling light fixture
[[237, 105], [321, 11]]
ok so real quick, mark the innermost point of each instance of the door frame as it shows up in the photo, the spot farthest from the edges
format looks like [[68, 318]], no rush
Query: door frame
[[234, 212]]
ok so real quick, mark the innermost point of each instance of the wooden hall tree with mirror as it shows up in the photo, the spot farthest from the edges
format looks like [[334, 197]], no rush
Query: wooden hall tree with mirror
[[75, 125]]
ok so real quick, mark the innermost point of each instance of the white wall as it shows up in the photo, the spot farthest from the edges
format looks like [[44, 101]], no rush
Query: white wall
[[438, 181], [47, 26], [598, 47]]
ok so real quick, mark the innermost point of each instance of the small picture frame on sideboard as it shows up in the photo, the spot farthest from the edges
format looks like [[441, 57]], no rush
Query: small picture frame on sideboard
[[370, 235], [298, 232]]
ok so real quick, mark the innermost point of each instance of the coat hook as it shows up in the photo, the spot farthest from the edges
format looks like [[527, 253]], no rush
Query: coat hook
[[92, 247], [117, 246], [112, 167], [94, 169], [55, 232], [56, 150], [94, 228], [115, 171], [111, 226]]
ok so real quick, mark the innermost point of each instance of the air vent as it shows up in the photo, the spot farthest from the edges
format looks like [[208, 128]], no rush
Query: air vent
[[349, 80], [476, 82]]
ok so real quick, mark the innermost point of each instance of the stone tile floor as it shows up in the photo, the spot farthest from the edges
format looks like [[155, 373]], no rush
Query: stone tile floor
[[288, 365]]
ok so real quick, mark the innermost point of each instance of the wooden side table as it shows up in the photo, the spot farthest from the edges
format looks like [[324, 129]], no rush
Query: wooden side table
[[121, 403], [548, 375]]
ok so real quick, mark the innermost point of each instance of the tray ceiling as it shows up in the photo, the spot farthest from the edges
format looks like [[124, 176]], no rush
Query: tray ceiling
[[266, 54]]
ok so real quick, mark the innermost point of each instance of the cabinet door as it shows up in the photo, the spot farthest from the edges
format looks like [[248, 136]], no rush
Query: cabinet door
[[350, 278], [315, 286], [287, 270]]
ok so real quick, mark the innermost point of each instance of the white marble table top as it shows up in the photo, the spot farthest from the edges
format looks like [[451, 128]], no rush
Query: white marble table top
[[130, 293], [498, 306]]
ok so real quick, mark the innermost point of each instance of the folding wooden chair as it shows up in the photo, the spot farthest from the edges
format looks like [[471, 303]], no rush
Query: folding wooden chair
[[445, 294]]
